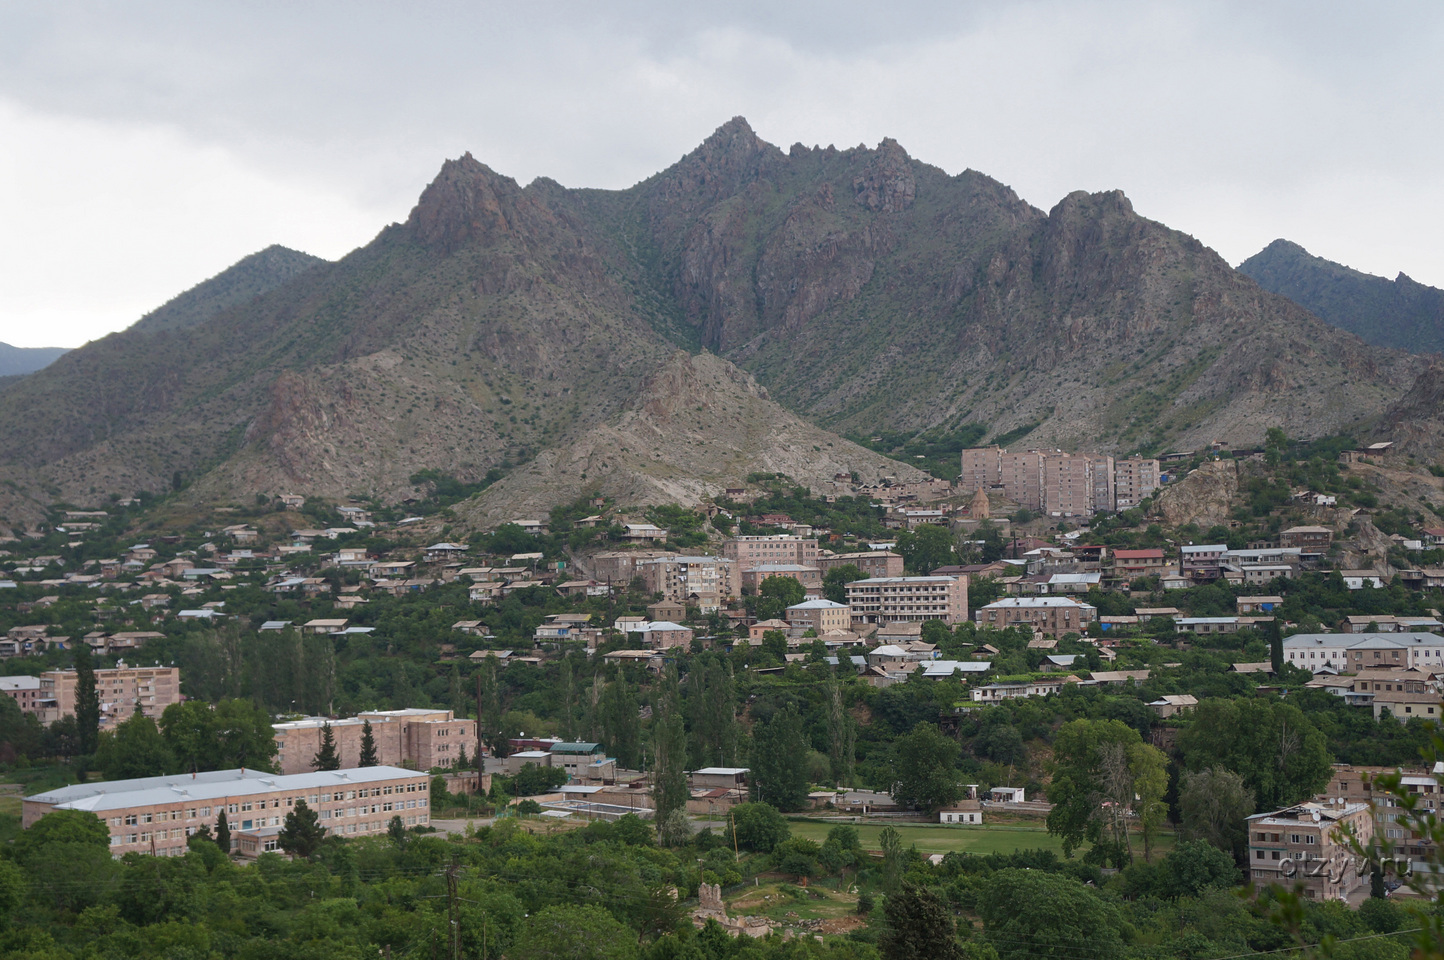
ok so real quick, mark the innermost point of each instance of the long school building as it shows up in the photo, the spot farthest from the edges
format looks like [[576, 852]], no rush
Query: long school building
[[156, 814]]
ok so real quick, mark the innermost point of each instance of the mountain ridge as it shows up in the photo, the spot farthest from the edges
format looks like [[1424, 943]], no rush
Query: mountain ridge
[[18, 361], [502, 325], [1400, 313]]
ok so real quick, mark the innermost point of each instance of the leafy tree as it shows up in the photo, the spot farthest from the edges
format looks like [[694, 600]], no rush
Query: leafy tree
[[756, 826], [67, 856], [326, 758], [779, 747], [533, 779], [774, 647], [528, 808], [834, 583], [776, 594], [368, 746], [1195, 866], [301, 834], [223, 833], [712, 708], [925, 769], [1281, 756], [574, 933], [928, 547], [134, 749], [1029, 914], [918, 924], [231, 733], [1102, 773], [1214, 805], [87, 700], [841, 849]]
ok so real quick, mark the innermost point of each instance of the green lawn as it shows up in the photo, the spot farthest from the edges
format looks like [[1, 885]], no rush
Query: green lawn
[[1006, 837]]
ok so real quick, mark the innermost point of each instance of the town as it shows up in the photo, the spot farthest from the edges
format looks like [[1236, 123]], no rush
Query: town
[[889, 656]]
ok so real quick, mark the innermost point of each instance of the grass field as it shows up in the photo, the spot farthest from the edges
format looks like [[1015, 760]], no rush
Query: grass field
[[1006, 837]]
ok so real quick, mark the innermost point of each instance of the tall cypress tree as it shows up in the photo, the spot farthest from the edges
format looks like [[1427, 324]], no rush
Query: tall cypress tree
[[326, 758], [368, 745], [223, 832], [87, 700]]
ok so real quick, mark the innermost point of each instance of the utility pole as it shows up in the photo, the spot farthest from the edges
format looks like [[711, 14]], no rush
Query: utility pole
[[453, 913]]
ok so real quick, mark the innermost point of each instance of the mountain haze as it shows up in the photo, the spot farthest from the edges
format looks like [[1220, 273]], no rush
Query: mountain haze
[[16, 361], [1399, 313], [540, 326]]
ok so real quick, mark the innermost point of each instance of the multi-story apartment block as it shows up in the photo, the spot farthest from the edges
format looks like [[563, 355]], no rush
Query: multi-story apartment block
[[416, 738], [751, 552], [1058, 483], [1134, 479], [1054, 616], [1302, 845], [872, 563], [704, 582], [889, 599], [156, 814], [809, 576], [1356, 785], [123, 691]]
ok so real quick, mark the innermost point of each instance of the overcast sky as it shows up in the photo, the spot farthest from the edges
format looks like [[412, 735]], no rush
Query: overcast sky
[[147, 146]]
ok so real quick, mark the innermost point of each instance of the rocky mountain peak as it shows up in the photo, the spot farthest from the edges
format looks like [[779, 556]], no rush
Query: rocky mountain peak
[[467, 201], [887, 184]]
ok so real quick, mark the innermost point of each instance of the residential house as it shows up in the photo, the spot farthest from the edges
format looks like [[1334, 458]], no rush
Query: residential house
[[996, 692], [1131, 564], [1307, 538], [872, 563], [964, 812], [1051, 615], [1257, 605], [1171, 705], [1203, 561]]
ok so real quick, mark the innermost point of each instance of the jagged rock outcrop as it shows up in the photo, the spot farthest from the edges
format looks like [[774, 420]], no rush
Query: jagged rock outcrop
[[1204, 497]]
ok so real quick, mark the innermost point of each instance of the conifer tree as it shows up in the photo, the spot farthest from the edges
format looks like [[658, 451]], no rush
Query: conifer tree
[[302, 833], [368, 745], [326, 758], [223, 833]]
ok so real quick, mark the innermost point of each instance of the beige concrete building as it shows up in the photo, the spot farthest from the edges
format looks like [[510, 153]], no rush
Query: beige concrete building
[[872, 563], [416, 738], [750, 552], [1051, 615], [123, 691], [704, 582], [810, 577], [156, 814], [1298, 845], [1134, 479], [819, 615], [886, 599]]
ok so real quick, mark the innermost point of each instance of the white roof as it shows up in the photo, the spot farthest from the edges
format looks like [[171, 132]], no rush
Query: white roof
[[903, 580], [1206, 548], [663, 625], [19, 683], [818, 605], [721, 771], [1023, 602], [118, 794]]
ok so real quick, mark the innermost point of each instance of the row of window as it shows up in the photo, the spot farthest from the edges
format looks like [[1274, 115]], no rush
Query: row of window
[[246, 806]]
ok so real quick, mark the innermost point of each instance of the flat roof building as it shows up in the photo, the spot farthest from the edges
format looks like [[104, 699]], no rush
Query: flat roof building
[[156, 814]]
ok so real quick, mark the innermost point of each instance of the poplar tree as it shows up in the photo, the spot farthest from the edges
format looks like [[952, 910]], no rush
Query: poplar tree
[[87, 701], [223, 833], [669, 745]]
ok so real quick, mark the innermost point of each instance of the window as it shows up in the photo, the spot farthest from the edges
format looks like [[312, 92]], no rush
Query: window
[[130, 820], [205, 811]]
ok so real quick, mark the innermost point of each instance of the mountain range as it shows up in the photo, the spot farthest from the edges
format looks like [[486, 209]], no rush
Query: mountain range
[[660, 342], [1400, 313]]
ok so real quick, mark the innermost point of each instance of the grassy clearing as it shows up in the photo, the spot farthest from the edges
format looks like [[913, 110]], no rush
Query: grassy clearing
[[1006, 837], [787, 901]]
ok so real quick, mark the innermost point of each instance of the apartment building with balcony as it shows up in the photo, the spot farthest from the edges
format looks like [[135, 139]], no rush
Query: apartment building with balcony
[[890, 599]]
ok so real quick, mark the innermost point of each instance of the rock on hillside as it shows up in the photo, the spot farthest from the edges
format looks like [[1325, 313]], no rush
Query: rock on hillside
[[1204, 497], [697, 426]]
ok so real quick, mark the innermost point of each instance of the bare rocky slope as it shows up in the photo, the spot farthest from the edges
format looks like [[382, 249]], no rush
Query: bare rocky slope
[[864, 290]]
